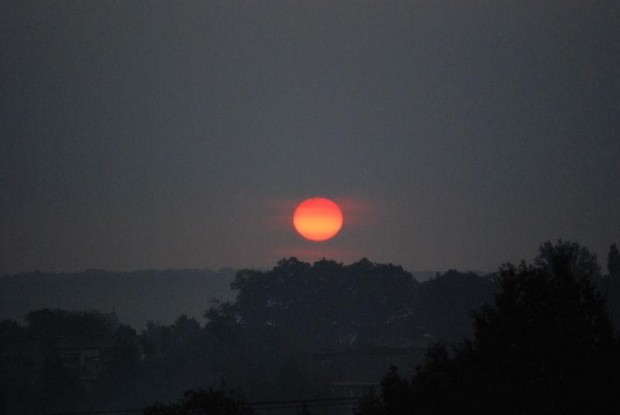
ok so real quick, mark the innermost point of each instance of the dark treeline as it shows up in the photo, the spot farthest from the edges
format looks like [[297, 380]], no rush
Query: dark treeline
[[546, 345], [311, 331], [136, 297]]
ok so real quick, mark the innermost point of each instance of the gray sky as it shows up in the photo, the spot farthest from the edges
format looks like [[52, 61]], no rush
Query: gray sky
[[182, 134]]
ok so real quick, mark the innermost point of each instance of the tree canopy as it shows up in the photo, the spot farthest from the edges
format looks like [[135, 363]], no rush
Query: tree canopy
[[545, 346], [213, 401], [327, 302]]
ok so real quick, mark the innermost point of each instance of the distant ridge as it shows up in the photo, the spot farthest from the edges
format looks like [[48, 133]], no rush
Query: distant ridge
[[136, 297]]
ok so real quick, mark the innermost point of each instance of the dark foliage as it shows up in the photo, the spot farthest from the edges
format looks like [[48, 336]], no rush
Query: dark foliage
[[545, 346], [51, 324], [327, 303], [613, 286], [567, 258], [448, 300], [261, 344], [613, 261], [214, 401]]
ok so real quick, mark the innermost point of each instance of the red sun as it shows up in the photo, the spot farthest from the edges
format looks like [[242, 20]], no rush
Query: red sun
[[318, 219]]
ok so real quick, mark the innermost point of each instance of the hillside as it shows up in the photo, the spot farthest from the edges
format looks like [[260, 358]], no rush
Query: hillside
[[136, 297]]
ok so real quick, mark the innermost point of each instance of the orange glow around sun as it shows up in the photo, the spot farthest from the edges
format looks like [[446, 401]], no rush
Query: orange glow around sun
[[318, 219]]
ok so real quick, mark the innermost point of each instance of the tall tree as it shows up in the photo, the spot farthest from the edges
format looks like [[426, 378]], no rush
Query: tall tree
[[545, 346], [613, 261], [613, 285], [567, 258]]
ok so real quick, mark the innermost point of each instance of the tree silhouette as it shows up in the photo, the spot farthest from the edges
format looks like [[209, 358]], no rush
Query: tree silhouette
[[448, 300], [613, 285], [122, 379], [214, 401], [59, 388], [613, 261], [545, 346], [569, 258], [323, 303], [547, 341], [51, 324]]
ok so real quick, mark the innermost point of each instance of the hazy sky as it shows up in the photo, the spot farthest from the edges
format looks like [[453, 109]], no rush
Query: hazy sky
[[454, 134]]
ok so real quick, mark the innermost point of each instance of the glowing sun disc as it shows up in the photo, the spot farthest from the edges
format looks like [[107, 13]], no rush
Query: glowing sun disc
[[318, 219]]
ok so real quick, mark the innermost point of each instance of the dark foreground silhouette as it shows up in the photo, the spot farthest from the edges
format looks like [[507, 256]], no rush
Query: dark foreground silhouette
[[214, 401], [546, 346], [316, 332]]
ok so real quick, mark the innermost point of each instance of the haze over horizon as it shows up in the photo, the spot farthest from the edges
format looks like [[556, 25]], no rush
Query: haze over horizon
[[157, 135]]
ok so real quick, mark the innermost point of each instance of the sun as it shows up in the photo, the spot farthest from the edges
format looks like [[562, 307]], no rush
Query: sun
[[318, 219]]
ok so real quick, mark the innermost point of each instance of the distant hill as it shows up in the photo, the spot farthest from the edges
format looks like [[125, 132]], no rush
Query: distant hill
[[136, 297]]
